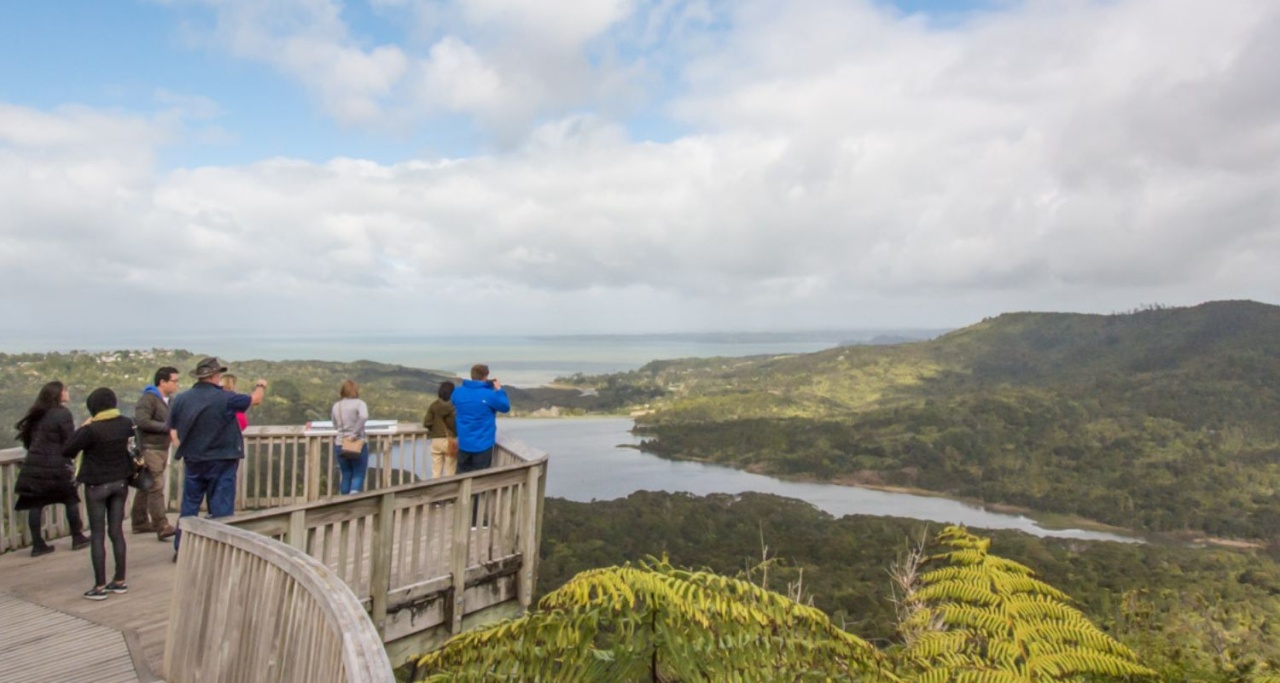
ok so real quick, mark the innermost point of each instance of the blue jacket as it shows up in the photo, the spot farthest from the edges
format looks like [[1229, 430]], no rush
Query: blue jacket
[[205, 418], [476, 405]]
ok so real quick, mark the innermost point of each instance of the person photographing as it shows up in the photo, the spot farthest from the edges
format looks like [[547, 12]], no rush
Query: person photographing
[[476, 406]]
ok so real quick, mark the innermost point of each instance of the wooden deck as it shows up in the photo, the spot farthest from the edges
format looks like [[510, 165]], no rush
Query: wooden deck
[[46, 622]]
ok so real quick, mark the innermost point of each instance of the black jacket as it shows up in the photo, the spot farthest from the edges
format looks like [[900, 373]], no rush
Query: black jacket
[[46, 477], [106, 450]]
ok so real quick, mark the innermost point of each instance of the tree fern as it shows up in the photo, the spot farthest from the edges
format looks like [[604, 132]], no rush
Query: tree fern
[[985, 619], [656, 622]]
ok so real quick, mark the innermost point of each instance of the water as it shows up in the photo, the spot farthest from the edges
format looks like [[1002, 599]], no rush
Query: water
[[586, 464]]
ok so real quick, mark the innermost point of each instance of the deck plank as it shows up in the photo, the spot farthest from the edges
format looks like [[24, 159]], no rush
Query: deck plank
[[51, 587]]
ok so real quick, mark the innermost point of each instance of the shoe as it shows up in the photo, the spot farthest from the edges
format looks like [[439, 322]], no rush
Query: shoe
[[116, 587], [175, 557], [166, 533], [95, 594], [78, 542], [142, 529], [39, 550]]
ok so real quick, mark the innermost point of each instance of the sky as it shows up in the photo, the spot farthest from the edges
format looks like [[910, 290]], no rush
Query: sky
[[629, 166]]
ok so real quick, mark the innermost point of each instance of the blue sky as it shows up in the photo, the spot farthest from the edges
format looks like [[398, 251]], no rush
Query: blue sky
[[543, 166]]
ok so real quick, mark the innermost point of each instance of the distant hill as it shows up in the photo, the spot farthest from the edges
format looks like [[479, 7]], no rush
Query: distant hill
[[300, 391], [1162, 419]]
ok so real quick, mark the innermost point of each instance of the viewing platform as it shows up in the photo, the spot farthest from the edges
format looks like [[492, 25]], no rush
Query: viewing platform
[[301, 584]]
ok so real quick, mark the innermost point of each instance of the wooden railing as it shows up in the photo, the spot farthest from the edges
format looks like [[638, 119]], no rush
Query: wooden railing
[[250, 609], [283, 465], [430, 558]]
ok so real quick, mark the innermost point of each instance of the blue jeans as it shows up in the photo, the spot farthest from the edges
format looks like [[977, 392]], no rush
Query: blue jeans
[[351, 470], [214, 480]]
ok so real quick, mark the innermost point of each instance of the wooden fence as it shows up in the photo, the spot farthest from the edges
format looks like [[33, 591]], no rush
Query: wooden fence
[[250, 609], [431, 558], [283, 465]]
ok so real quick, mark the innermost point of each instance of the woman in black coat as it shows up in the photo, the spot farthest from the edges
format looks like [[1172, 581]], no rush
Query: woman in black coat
[[47, 478], [105, 472]]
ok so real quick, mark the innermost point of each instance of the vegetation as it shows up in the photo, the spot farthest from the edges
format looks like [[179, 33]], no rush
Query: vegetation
[[1160, 420], [1191, 613], [300, 391], [979, 618]]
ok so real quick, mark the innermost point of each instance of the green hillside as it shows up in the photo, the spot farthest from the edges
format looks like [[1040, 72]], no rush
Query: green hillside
[[1161, 419], [299, 391]]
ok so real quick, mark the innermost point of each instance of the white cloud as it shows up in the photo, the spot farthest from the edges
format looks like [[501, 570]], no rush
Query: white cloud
[[850, 167]]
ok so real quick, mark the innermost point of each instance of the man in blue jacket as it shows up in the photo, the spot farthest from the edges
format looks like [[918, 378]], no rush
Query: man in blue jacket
[[203, 424], [476, 406]]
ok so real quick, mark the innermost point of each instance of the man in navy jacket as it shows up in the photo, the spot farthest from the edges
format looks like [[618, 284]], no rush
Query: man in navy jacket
[[476, 404]]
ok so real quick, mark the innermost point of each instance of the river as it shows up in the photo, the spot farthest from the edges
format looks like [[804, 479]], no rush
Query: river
[[586, 463]]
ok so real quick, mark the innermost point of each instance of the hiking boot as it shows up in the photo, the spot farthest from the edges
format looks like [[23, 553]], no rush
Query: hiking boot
[[116, 587], [95, 594], [39, 550], [167, 532], [78, 542], [142, 529]]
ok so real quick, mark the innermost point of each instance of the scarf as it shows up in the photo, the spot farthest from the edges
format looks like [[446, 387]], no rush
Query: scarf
[[108, 414]]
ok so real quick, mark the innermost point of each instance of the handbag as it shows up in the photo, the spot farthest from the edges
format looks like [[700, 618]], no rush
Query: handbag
[[352, 448], [142, 477]]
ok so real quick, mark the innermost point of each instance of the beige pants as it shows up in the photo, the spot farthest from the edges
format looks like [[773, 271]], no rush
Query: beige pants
[[441, 461], [148, 511]]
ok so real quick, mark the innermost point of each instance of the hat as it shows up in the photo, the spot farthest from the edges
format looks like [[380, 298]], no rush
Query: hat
[[208, 367], [101, 399]]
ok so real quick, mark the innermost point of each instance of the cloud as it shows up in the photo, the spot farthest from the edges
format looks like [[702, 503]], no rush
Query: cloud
[[846, 166]]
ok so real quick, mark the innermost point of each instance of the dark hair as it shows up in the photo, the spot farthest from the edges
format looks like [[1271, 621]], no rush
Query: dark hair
[[479, 371], [164, 373], [50, 397], [445, 392], [100, 399]]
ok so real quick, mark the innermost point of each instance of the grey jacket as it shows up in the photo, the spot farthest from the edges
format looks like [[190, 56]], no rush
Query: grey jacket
[[151, 415]]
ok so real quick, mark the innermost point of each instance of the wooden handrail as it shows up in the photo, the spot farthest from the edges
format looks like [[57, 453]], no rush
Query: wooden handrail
[[246, 608]]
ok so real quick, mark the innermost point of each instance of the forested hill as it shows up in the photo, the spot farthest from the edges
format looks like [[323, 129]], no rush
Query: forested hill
[[1163, 419], [300, 390]]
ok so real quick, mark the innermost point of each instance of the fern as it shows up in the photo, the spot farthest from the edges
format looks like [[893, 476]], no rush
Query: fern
[[986, 619], [657, 622]]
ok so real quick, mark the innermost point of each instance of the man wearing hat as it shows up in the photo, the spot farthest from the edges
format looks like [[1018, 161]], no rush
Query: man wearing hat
[[203, 423]]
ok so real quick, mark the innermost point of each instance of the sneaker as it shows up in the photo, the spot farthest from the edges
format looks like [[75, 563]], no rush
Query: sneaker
[[39, 550], [95, 594], [78, 542], [116, 587]]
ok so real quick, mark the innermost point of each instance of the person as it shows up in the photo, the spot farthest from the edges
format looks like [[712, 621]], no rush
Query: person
[[349, 415], [46, 478], [202, 423], [104, 471], [151, 415], [476, 404], [442, 429], [229, 383]]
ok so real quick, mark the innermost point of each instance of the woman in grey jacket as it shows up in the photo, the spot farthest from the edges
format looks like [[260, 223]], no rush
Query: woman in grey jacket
[[349, 415]]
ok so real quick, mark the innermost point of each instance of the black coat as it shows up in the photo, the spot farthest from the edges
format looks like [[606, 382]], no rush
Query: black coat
[[105, 444], [46, 476]]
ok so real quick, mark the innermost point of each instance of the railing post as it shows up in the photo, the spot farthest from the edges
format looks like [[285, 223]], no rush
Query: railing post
[[313, 468], [380, 571], [529, 537], [298, 530], [461, 551]]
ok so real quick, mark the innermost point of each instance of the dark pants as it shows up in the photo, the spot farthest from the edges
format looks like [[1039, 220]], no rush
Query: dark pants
[[214, 480], [148, 506], [106, 518], [35, 521], [471, 461]]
